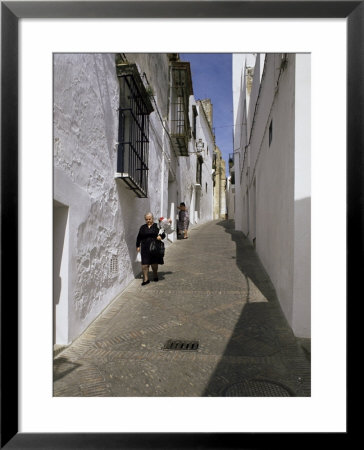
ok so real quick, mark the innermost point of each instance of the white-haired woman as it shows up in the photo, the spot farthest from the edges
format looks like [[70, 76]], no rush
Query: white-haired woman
[[147, 233]]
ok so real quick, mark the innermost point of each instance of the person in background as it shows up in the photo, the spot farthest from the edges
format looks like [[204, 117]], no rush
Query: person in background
[[183, 219], [147, 233]]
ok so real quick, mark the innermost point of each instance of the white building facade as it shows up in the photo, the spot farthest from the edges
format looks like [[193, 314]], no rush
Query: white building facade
[[124, 145], [272, 173], [230, 196]]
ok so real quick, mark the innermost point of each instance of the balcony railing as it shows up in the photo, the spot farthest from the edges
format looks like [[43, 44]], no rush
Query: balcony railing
[[180, 93]]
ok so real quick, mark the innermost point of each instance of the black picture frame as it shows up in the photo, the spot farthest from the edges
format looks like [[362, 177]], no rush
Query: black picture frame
[[11, 12]]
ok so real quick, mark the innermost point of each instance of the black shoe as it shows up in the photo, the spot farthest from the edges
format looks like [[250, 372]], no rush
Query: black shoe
[[145, 282], [155, 279]]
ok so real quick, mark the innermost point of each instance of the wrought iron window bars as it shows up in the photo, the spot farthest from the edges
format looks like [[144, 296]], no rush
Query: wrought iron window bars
[[133, 136], [181, 84]]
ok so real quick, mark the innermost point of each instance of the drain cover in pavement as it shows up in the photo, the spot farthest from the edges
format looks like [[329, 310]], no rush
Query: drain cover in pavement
[[256, 388], [181, 345]]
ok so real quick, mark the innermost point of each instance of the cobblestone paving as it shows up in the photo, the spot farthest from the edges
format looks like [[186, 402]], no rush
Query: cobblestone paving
[[213, 289]]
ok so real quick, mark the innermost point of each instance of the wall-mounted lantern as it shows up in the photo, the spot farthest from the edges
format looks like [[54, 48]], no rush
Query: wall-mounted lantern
[[199, 146]]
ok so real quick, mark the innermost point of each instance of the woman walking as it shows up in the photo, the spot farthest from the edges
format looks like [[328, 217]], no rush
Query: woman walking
[[147, 233]]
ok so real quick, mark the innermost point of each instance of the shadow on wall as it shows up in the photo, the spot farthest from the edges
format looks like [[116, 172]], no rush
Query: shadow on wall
[[60, 218], [131, 220], [255, 361], [303, 218], [301, 321]]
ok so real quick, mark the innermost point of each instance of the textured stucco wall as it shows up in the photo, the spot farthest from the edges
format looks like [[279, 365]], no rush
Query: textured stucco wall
[[156, 68], [104, 215], [86, 97]]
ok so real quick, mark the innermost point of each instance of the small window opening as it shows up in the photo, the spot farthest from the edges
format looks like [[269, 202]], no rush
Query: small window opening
[[199, 170], [195, 114], [270, 132], [114, 265]]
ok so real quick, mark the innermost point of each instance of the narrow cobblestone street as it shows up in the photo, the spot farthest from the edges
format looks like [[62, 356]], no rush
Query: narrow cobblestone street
[[212, 289]]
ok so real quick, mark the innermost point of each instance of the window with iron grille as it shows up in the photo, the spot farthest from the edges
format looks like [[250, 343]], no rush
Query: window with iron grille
[[133, 136], [181, 89]]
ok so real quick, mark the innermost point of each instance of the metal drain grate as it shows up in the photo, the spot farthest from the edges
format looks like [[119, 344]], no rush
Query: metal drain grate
[[181, 345], [256, 388]]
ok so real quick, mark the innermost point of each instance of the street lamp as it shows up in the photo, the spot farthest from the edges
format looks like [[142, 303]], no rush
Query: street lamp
[[199, 147]]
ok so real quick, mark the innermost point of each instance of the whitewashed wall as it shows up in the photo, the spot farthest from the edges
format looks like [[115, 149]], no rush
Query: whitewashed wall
[[97, 217], [206, 195], [230, 198], [301, 317], [197, 199], [241, 100], [269, 177], [104, 215], [85, 126], [273, 171]]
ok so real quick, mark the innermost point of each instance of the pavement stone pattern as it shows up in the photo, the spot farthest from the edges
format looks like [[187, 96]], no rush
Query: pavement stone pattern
[[213, 289]]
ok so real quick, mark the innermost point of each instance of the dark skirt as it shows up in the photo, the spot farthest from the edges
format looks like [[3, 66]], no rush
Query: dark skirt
[[183, 220], [147, 258]]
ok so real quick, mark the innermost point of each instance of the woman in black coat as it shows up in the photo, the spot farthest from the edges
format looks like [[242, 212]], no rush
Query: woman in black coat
[[147, 233]]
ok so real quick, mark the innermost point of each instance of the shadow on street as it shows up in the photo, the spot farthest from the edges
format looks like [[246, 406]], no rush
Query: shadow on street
[[262, 355], [62, 367], [248, 262]]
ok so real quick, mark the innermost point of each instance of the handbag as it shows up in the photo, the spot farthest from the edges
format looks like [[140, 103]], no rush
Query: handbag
[[161, 248], [156, 248]]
